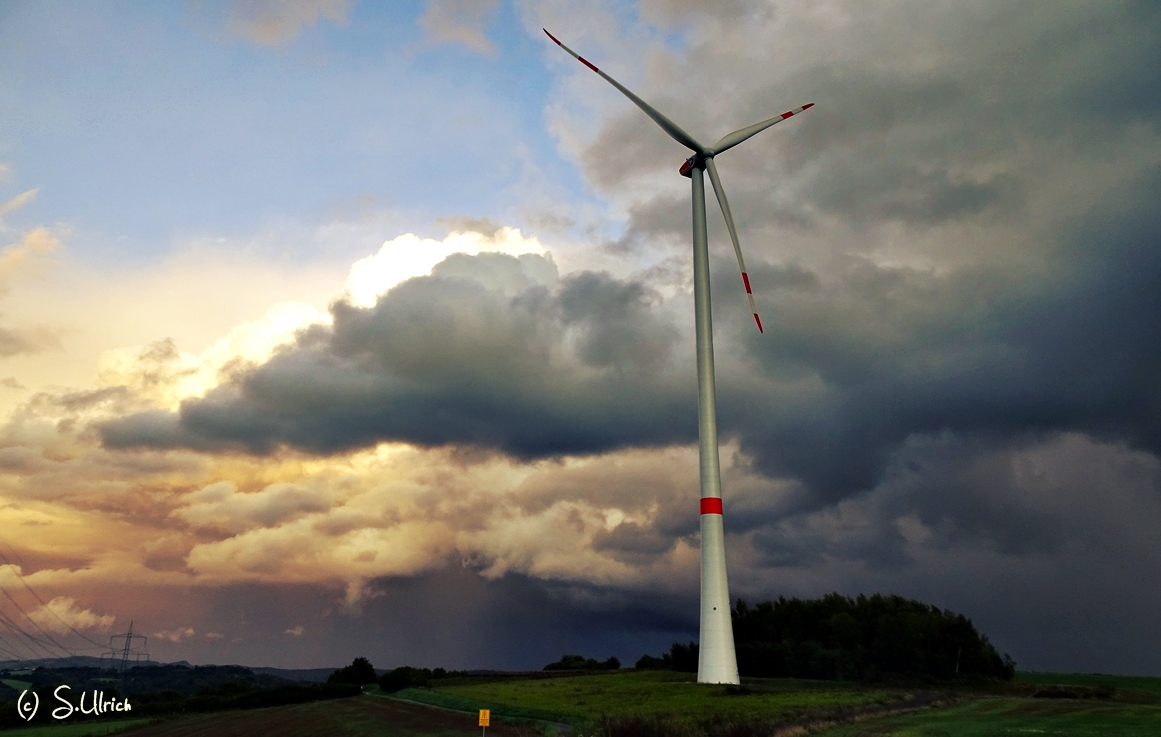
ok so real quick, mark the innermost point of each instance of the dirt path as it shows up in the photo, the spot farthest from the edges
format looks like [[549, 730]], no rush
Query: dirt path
[[359, 716]]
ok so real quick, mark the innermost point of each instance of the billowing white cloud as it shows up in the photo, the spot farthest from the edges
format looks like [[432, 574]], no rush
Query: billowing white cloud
[[62, 615], [221, 507], [165, 375], [408, 256]]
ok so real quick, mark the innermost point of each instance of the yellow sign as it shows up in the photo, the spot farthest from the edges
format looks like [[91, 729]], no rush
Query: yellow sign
[[485, 717]]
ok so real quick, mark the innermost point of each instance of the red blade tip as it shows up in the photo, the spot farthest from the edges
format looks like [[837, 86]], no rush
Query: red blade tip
[[804, 107], [551, 36], [759, 321]]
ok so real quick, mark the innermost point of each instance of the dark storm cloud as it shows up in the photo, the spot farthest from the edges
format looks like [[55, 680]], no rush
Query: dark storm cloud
[[479, 353], [933, 126], [925, 113], [852, 368], [1048, 543], [635, 544]]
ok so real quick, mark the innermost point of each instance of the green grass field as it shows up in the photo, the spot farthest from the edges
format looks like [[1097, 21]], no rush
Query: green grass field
[[583, 700], [1127, 687], [1130, 707], [662, 692], [997, 716]]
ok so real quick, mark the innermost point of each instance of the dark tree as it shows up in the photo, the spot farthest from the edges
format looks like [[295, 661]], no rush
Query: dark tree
[[406, 677], [579, 662], [681, 658], [360, 672], [650, 662], [837, 637]]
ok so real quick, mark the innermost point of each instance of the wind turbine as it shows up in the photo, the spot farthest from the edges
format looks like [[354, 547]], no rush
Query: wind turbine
[[717, 662]]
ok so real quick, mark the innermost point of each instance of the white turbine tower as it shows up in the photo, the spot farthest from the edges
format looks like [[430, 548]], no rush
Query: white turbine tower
[[717, 662]]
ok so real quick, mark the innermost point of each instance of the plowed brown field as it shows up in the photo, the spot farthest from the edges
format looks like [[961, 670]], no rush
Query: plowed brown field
[[360, 716]]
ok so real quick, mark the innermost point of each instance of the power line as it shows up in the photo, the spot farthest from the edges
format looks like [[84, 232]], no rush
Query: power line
[[44, 606]]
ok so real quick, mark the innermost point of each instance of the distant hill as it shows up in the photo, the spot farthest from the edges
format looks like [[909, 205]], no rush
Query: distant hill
[[72, 661], [299, 675], [302, 675]]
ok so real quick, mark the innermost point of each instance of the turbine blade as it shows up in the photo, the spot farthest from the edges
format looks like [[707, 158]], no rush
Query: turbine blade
[[725, 204], [733, 139], [667, 125]]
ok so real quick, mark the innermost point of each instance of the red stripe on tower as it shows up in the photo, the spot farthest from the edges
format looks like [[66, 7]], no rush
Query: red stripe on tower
[[746, 281], [711, 505]]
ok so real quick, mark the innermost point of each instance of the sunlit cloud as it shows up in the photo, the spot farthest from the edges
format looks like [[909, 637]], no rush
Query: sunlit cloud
[[18, 201], [460, 21], [409, 256], [179, 634], [164, 375], [278, 22], [21, 259], [62, 615]]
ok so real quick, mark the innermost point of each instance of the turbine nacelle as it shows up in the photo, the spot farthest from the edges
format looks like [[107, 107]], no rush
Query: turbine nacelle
[[690, 164]]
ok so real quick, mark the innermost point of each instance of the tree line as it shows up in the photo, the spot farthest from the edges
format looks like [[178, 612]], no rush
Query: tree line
[[861, 638]]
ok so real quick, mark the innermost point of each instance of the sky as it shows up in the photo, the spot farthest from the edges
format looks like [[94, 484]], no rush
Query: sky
[[334, 328]]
